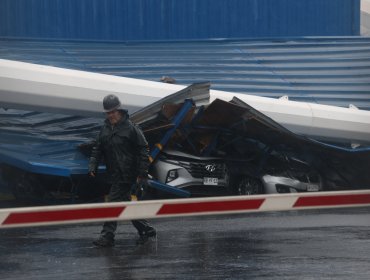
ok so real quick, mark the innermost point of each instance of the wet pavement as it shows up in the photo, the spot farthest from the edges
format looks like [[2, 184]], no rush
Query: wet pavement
[[318, 244]]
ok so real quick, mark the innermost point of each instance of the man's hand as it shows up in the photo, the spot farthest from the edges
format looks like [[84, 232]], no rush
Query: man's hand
[[140, 187], [92, 174]]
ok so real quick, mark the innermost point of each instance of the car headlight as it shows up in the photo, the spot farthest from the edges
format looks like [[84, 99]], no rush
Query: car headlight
[[172, 175]]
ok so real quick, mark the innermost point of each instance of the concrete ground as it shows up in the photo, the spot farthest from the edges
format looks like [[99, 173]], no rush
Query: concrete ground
[[316, 244]]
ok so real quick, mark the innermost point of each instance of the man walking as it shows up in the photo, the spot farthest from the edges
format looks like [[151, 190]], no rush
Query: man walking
[[125, 151]]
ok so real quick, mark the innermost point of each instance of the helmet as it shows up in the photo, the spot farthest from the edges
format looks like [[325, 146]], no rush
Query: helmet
[[111, 103]]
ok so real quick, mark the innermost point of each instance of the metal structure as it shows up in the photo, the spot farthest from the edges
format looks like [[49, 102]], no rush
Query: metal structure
[[324, 70], [131, 20], [188, 104]]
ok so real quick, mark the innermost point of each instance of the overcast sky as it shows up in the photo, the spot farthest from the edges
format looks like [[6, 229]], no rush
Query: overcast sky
[[365, 5]]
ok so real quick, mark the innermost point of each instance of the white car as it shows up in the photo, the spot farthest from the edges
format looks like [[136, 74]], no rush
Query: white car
[[198, 175], [217, 176]]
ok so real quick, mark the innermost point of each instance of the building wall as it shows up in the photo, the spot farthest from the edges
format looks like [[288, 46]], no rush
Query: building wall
[[177, 19]]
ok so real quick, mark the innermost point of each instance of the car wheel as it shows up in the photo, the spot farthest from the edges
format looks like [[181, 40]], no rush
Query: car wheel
[[249, 186]]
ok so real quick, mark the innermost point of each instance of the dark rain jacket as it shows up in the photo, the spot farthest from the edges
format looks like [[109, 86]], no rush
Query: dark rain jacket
[[125, 151]]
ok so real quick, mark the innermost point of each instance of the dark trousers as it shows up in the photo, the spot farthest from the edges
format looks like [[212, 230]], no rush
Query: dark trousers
[[121, 191]]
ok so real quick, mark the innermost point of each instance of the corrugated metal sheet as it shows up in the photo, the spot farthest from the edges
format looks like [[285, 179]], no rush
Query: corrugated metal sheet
[[177, 19], [45, 143], [333, 70]]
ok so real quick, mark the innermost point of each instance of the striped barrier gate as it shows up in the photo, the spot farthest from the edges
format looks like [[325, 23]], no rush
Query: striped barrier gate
[[98, 212]]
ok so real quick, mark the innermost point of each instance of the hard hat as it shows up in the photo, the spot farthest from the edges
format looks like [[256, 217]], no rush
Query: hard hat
[[111, 103]]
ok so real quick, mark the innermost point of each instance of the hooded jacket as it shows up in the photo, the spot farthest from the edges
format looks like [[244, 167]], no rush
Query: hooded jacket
[[124, 148]]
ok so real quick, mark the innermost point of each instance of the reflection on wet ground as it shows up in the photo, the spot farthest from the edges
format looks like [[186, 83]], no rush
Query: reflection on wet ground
[[330, 244]]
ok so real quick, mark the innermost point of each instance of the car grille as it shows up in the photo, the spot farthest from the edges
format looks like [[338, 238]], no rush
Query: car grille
[[205, 169]]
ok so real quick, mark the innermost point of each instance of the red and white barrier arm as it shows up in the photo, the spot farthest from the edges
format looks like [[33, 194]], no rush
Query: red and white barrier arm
[[78, 213]]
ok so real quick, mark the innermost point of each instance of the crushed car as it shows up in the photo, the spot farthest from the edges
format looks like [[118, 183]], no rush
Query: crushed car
[[231, 148]]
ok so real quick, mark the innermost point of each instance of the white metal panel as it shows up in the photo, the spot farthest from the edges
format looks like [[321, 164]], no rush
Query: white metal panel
[[314, 120], [52, 89]]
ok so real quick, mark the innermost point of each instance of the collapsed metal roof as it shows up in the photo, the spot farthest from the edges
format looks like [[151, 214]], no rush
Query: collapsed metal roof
[[330, 70]]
